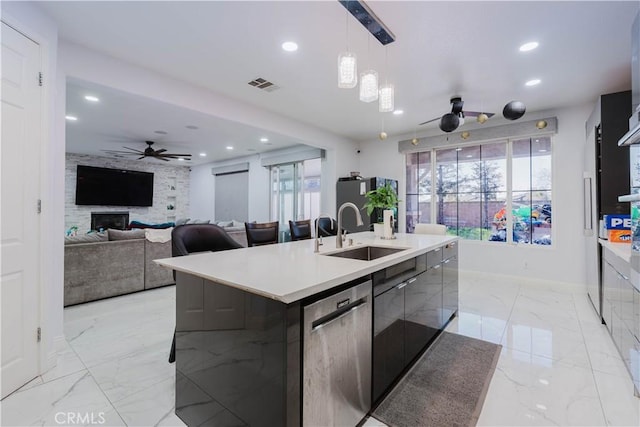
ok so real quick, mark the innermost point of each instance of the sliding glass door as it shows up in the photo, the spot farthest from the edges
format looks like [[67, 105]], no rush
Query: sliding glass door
[[295, 193]]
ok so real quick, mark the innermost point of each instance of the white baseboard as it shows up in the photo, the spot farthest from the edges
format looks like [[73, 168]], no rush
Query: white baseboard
[[523, 280]]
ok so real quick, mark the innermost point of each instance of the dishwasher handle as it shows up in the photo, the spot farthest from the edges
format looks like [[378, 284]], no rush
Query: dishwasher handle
[[338, 314]]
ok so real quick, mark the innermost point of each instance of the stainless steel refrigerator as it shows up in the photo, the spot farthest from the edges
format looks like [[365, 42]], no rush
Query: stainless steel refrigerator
[[354, 190]]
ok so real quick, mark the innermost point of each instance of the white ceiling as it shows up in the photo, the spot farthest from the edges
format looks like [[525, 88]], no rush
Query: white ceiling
[[121, 120], [441, 49]]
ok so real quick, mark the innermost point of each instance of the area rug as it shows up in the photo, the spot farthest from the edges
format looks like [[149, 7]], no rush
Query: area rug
[[446, 386]]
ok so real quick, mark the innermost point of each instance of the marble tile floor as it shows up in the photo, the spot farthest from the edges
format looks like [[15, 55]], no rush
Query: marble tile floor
[[558, 365]]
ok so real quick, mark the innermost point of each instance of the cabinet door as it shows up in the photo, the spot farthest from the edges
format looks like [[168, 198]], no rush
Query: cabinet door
[[416, 315], [434, 301], [449, 288], [388, 339]]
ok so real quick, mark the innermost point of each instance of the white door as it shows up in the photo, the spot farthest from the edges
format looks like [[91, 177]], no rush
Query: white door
[[20, 231]]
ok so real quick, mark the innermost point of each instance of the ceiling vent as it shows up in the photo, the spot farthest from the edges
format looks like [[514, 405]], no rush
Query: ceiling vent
[[263, 84]]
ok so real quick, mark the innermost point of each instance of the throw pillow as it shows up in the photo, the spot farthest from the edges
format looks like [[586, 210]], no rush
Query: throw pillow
[[182, 221], [158, 235], [224, 223], [125, 235], [138, 224], [237, 223], [86, 238], [199, 221]]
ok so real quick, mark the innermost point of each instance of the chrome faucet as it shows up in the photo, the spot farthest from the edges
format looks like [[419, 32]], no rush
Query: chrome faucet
[[318, 241], [358, 221]]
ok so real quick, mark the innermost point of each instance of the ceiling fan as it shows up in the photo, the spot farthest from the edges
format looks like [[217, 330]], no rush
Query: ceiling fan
[[150, 152], [450, 121]]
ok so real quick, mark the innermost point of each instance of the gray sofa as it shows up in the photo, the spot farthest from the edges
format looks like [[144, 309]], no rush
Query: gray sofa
[[105, 268]]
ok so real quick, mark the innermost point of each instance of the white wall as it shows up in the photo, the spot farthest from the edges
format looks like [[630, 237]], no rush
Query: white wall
[[28, 19], [203, 182], [564, 261], [203, 189], [95, 67]]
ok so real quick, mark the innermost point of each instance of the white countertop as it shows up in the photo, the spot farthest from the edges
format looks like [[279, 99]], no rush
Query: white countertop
[[621, 250], [290, 271]]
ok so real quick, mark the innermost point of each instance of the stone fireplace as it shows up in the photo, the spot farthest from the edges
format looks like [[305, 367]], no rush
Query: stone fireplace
[[104, 220]]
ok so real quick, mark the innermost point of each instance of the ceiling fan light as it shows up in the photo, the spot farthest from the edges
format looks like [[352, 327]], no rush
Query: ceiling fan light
[[482, 118], [541, 124], [460, 119], [386, 98], [369, 86], [347, 70], [449, 122]]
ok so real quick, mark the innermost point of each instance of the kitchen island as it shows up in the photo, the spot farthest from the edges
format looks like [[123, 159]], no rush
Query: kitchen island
[[241, 340]]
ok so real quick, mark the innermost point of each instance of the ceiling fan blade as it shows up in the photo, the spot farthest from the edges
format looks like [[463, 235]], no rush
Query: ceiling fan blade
[[162, 150], [173, 155], [140, 158], [429, 121], [477, 113], [164, 159], [134, 150], [120, 152]]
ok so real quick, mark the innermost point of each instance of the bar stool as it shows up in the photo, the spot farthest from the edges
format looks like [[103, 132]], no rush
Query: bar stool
[[300, 230], [258, 234]]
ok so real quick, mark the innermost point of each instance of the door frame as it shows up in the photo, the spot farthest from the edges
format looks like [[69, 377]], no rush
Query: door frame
[[49, 345]]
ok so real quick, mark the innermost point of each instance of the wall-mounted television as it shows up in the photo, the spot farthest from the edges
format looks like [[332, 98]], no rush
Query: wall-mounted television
[[113, 187]]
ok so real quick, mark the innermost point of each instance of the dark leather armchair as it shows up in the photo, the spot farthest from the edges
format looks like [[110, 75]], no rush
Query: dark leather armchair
[[326, 227], [190, 238], [300, 230], [258, 234]]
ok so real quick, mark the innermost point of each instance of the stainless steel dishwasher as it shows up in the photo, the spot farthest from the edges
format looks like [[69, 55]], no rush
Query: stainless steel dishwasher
[[337, 358]]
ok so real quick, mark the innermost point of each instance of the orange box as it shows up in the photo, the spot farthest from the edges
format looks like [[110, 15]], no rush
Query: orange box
[[620, 236]]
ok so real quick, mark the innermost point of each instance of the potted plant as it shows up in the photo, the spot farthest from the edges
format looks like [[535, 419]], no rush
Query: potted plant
[[379, 200]]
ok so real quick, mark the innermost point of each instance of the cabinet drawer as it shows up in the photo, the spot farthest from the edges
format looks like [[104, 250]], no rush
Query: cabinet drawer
[[386, 279], [434, 257], [450, 249]]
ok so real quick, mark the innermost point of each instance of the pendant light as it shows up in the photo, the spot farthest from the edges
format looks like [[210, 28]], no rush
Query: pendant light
[[369, 86], [347, 70], [385, 100], [369, 82], [347, 65]]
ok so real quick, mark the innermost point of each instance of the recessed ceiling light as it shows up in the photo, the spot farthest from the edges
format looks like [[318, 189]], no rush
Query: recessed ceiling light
[[398, 112], [533, 82], [181, 159], [290, 46], [458, 149], [469, 156], [263, 139], [528, 46], [203, 154], [71, 118], [192, 127], [229, 147], [160, 132], [542, 150], [92, 98]]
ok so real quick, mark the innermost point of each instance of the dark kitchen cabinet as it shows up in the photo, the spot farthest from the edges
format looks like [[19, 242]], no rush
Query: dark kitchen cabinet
[[608, 122], [408, 309], [388, 339]]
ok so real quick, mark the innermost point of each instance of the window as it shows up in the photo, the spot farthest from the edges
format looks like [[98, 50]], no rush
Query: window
[[473, 187], [295, 192]]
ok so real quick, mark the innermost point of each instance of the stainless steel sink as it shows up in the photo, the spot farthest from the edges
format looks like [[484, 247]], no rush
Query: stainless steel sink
[[366, 253]]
